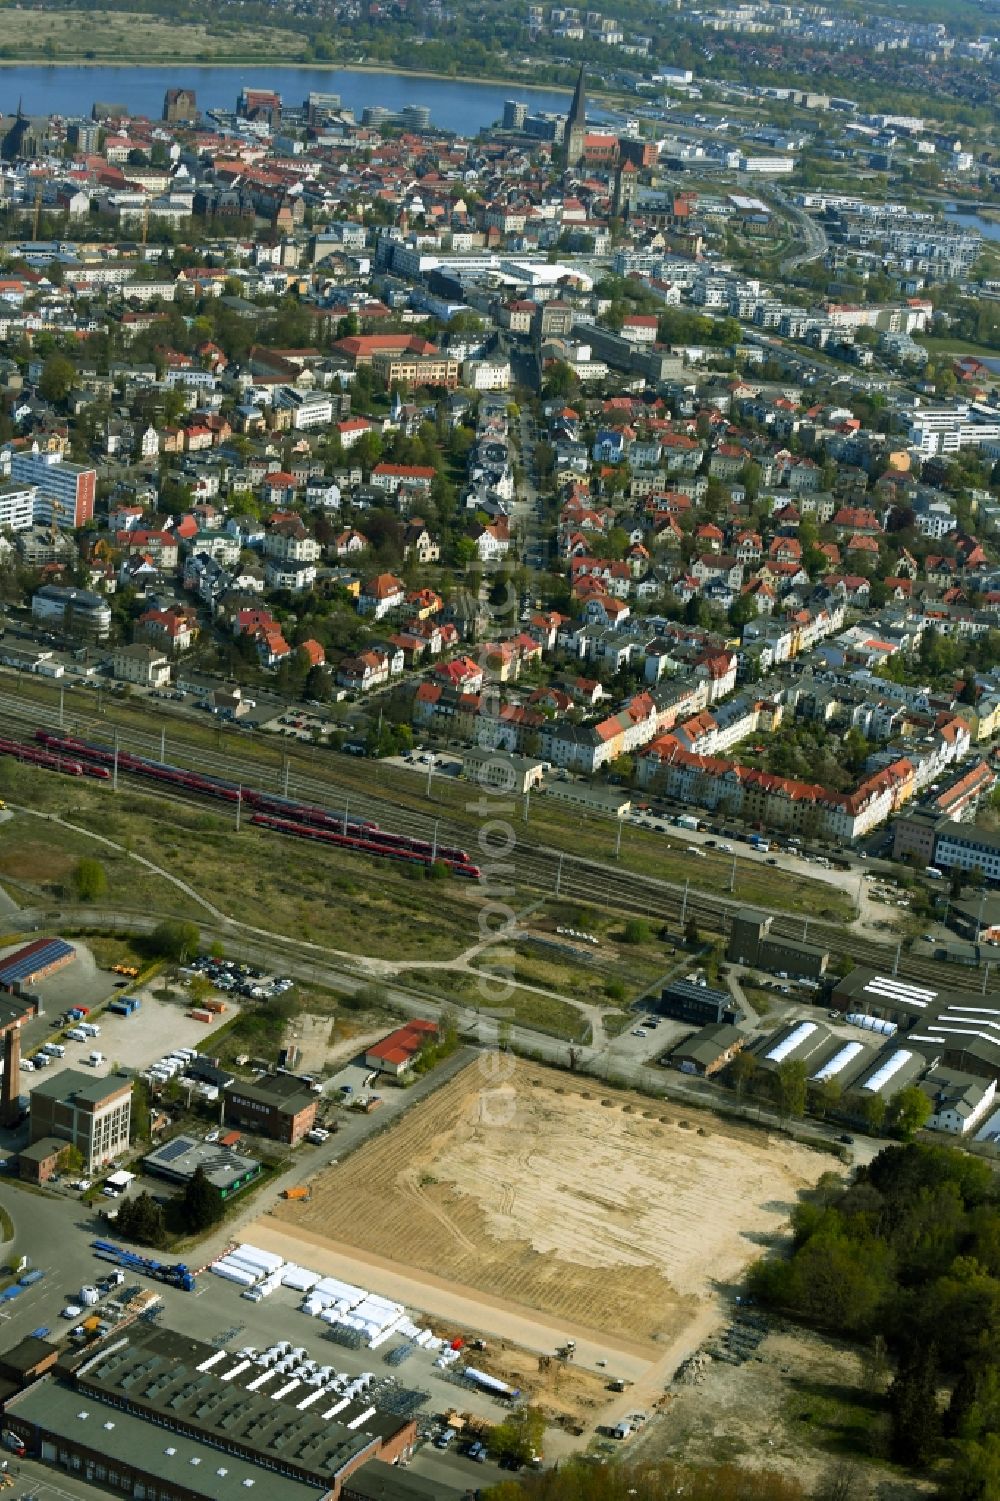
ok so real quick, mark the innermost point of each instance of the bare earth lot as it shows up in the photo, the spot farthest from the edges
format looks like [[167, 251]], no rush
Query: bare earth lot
[[599, 1211]]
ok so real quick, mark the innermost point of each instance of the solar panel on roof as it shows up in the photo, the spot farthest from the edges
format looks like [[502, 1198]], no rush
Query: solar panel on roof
[[34, 957], [173, 1149]]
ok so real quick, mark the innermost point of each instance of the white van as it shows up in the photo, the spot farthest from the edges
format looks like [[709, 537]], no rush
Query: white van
[[89, 1030], [54, 1049], [76, 1034], [95, 1060]]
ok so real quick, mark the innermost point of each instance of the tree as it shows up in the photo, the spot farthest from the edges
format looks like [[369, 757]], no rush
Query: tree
[[873, 1113], [519, 1437], [637, 931], [57, 378], [141, 1219], [72, 1160], [89, 880], [200, 1205], [908, 1112], [844, 1481], [825, 1097], [175, 939], [141, 1110], [790, 1087], [742, 1070], [913, 1409], [200, 988]]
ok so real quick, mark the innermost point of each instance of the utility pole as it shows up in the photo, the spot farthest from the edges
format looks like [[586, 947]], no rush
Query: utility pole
[[239, 805], [684, 903], [62, 696], [895, 962], [805, 929], [527, 802], [559, 874], [618, 841], [986, 976], [732, 876], [114, 776], [347, 804], [163, 746], [430, 772], [434, 841], [285, 760]]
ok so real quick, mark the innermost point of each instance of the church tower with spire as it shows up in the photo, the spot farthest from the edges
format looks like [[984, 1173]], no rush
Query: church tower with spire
[[576, 125]]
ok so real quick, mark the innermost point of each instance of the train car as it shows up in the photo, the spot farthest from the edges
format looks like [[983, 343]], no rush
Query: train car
[[324, 818], [36, 757], [371, 844], [281, 814]]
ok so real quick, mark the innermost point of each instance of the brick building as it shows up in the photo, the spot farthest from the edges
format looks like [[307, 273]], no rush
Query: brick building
[[278, 1106]]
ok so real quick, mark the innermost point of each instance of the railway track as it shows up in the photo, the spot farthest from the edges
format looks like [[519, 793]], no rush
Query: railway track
[[538, 866]]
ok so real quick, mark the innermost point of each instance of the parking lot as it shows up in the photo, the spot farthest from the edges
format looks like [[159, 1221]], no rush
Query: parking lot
[[126, 1041]]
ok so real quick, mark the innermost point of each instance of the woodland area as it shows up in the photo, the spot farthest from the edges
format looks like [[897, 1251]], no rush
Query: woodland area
[[906, 1261]]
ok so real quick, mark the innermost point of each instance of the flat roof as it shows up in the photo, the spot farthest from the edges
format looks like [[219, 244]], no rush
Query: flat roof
[[687, 990], [71, 1083], [39, 1150], [382, 1482], [236, 1401], [181, 1157], [81, 1418]]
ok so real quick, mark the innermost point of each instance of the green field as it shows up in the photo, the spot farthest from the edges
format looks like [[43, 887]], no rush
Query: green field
[[957, 347], [126, 37]]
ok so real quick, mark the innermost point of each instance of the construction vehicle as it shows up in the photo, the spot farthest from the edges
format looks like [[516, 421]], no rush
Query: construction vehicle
[[175, 1274], [130, 970], [296, 1193]]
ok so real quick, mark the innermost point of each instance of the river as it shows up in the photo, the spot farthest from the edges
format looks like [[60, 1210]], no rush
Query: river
[[988, 228], [458, 106]]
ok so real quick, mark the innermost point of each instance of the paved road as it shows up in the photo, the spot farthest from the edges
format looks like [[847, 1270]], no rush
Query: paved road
[[813, 235]]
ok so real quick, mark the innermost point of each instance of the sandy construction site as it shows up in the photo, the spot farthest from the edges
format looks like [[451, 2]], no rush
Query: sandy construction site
[[602, 1212]]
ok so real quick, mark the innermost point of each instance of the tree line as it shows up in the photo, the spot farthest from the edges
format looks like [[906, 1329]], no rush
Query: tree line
[[906, 1259]]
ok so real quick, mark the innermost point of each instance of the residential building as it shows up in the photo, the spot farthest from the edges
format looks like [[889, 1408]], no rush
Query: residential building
[[143, 665], [65, 493]]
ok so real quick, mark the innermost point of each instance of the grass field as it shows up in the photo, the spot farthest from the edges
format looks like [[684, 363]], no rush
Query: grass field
[[948, 346], [306, 892], [37, 861], [584, 1204], [122, 36]]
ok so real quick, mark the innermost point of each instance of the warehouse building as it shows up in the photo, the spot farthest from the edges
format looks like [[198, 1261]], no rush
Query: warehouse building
[[121, 1452], [33, 962], [708, 1051], [398, 1052], [957, 1028], [687, 1001], [155, 1413], [178, 1161], [91, 1114], [278, 1106], [751, 942]]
